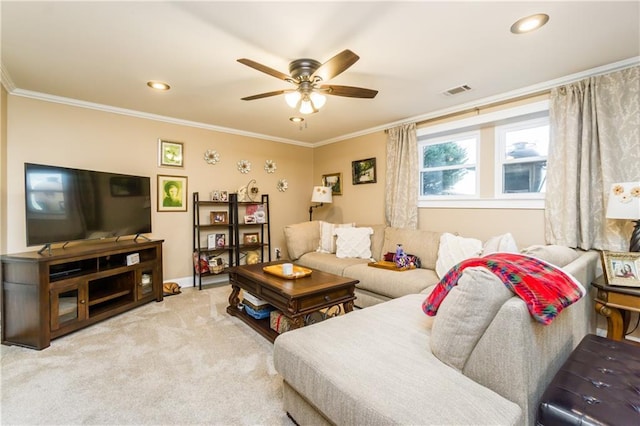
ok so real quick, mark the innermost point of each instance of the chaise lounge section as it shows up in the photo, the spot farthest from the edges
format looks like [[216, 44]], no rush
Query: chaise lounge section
[[481, 360]]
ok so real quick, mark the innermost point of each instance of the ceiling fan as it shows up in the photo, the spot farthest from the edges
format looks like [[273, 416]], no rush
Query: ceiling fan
[[308, 74]]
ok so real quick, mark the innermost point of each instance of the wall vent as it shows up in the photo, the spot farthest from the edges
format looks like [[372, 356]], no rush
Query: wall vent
[[456, 90]]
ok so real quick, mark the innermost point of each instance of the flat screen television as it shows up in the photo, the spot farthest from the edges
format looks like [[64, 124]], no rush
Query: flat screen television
[[64, 204]]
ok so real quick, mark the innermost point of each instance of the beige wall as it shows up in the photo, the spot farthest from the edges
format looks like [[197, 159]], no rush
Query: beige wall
[[50, 133]]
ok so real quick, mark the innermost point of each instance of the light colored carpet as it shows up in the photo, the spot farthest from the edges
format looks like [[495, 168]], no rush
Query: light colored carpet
[[182, 361]]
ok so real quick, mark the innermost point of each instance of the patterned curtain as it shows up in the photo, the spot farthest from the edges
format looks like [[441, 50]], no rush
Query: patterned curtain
[[401, 187], [595, 141]]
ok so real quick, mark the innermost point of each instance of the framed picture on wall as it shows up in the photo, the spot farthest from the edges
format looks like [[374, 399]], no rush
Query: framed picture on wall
[[334, 180], [172, 193], [170, 154], [364, 171]]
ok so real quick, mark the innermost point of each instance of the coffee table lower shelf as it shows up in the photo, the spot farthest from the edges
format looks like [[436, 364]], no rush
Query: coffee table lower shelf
[[262, 326]]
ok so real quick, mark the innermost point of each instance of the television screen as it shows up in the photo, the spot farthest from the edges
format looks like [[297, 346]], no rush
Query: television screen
[[64, 204]]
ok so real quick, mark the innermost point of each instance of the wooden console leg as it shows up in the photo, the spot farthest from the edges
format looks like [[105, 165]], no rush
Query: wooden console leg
[[615, 324]]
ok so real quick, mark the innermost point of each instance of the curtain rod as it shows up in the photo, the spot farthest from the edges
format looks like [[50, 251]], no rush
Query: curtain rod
[[477, 109]]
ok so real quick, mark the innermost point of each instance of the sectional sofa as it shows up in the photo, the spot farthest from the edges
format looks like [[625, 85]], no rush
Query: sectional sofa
[[481, 360]]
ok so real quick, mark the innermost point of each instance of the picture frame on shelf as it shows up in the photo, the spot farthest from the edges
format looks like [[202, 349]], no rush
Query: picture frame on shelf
[[621, 268], [221, 240], [215, 195], [224, 196], [170, 153], [211, 241], [250, 219], [249, 238], [364, 171], [334, 180], [219, 217], [172, 193]]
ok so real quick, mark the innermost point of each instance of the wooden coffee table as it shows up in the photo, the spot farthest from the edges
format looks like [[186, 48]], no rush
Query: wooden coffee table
[[295, 298]]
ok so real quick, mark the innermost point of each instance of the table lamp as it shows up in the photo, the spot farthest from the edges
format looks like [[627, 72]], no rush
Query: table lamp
[[320, 194], [624, 203]]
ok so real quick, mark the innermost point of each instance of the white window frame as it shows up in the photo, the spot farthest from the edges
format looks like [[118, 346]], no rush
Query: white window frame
[[475, 123], [454, 137], [501, 160]]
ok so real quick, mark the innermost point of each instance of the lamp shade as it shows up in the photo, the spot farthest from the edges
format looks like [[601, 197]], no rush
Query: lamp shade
[[321, 194], [624, 201]]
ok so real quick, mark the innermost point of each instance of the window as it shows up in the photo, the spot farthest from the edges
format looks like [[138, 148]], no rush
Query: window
[[522, 149], [493, 159], [448, 165]]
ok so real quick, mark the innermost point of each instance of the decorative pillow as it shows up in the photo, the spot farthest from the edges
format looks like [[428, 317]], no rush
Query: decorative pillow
[[353, 242], [453, 250], [301, 238], [502, 243], [327, 236], [555, 255], [465, 314]]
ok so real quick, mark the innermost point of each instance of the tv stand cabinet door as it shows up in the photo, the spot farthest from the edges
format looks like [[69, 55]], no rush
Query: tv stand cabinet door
[[68, 306]]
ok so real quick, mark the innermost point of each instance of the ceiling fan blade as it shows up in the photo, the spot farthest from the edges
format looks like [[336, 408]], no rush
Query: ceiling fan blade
[[335, 65], [265, 69], [348, 91], [265, 95]]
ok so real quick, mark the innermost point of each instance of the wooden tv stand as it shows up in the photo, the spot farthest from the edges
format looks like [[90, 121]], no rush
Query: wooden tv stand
[[45, 296]]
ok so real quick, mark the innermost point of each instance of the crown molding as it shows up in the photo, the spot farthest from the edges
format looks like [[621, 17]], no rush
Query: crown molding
[[6, 79]]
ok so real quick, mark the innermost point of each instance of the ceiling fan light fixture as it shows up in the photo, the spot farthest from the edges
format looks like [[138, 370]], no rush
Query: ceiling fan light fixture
[[292, 98], [317, 99], [306, 107]]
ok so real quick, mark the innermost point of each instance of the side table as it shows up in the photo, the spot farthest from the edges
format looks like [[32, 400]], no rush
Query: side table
[[615, 303]]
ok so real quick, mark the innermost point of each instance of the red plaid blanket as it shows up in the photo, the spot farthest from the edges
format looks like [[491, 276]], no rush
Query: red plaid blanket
[[545, 289]]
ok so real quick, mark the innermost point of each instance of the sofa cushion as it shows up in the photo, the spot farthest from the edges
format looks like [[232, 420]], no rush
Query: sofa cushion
[[423, 244], [327, 243], [328, 262], [377, 239], [353, 242], [302, 238], [453, 249], [556, 255], [391, 283], [335, 365], [475, 302], [500, 244]]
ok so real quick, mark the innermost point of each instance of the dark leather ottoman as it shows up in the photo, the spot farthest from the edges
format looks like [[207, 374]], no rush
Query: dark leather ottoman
[[599, 384]]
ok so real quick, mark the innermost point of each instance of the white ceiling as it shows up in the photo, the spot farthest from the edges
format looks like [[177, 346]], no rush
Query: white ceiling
[[105, 52]]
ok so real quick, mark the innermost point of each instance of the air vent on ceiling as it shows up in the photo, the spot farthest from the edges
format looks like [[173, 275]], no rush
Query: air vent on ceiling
[[456, 90]]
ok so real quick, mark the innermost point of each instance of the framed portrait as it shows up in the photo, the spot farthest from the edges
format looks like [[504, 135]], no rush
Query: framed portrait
[[250, 238], [170, 154], [621, 269], [221, 240], [334, 180], [215, 195], [219, 218], [250, 219], [224, 196], [172, 193], [364, 171]]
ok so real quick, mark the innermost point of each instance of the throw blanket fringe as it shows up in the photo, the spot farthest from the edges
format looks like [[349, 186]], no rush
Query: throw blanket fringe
[[545, 289]]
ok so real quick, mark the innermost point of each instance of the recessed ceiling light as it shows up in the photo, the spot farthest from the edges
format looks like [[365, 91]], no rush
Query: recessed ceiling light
[[158, 85], [529, 23], [296, 119]]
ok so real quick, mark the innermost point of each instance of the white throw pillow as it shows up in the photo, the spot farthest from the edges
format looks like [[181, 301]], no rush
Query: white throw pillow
[[454, 249], [328, 236], [500, 244], [353, 242]]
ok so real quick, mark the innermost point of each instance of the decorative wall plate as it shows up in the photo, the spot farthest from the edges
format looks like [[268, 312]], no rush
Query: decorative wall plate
[[244, 166], [270, 166], [282, 185], [211, 156]]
